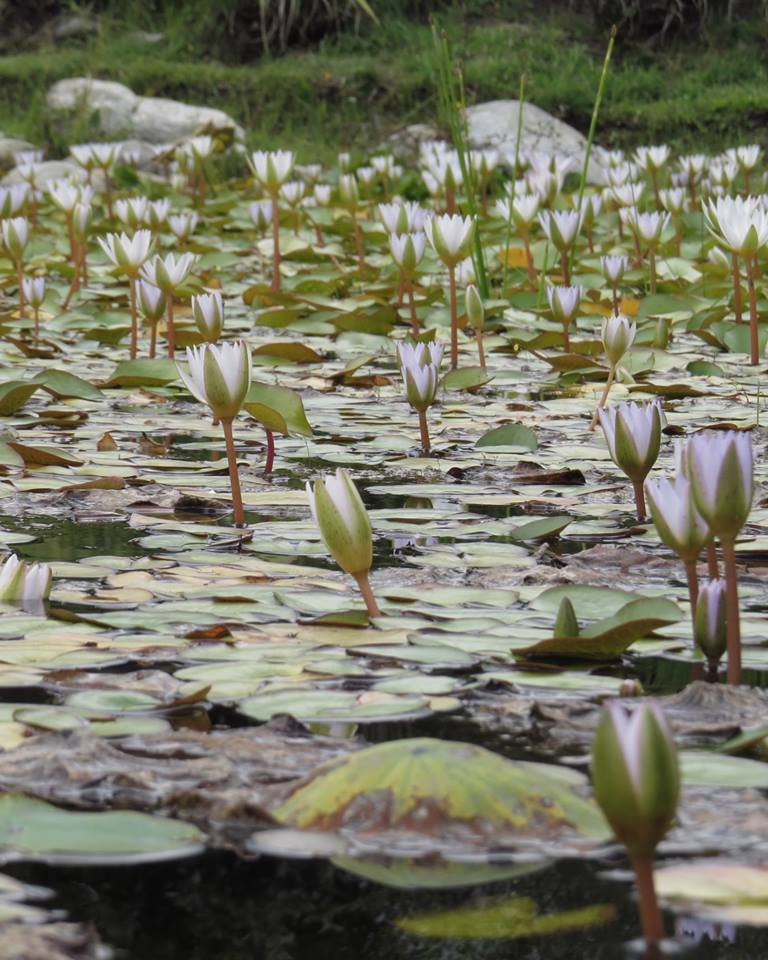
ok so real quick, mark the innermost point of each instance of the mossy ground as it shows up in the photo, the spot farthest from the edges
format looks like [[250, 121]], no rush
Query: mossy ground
[[353, 89]]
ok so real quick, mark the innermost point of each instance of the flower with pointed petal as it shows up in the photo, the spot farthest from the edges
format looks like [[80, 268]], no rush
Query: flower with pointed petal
[[219, 376]]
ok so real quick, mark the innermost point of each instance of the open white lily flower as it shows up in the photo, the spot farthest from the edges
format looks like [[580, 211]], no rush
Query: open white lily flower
[[127, 253], [272, 167], [168, 272], [24, 582], [219, 376], [208, 311]]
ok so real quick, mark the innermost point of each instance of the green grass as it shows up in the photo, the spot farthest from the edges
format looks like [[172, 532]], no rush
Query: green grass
[[353, 90]]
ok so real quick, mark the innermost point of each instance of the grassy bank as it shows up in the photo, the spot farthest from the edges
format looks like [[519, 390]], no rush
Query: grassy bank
[[357, 88]]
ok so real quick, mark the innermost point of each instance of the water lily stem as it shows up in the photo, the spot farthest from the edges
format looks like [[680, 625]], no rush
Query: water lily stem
[[566, 336], [652, 265], [22, 301], [733, 627], [414, 315], [754, 342], [712, 569], [565, 267], [604, 397], [234, 476], [270, 461], [358, 242], [424, 431], [36, 315], [637, 486], [737, 303], [365, 589], [650, 915], [693, 585], [134, 316], [480, 348], [171, 328], [275, 244], [454, 318]]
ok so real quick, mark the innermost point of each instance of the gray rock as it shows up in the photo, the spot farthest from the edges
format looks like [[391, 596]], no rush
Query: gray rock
[[121, 112], [158, 120], [494, 124], [9, 147], [72, 26], [113, 103], [405, 143], [45, 171]]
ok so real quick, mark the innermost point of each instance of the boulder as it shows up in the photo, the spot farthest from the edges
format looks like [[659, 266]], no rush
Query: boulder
[[46, 171], [494, 124], [120, 112], [9, 147]]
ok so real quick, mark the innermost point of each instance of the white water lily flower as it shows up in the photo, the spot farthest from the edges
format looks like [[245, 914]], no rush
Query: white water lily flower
[[678, 522], [648, 226], [402, 217], [627, 195], [150, 300], [720, 467], [521, 209], [183, 224], [420, 370], [560, 226], [407, 250], [34, 290], [564, 301], [451, 236], [343, 521], [740, 223], [710, 629], [260, 212], [653, 158], [21, 581], [168, 272], [132, 211], [292, 192], [633, 434], [208, 311], [15, 233], [66, 194], [618, 335], [127, 253], [157, 212], [219, 376], [272, 167], [13, 198], [614, 268], [322, 194], [673, 199]]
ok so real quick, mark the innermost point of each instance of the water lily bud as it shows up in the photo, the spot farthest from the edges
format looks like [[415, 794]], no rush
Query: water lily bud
[[150, 300], [34, 290], [219, 376], [349, 192], [719, 465], [679, 524], [618, 335], [21, 581], [661, 333], [82, 216], [475, 308], [15, 236], [343, 520], [451, 237], [633, 434], [420, 369], [322, 194], [635, 775], [208, 311], [260, 212], [566, 624], [709, 627], [631, 688]]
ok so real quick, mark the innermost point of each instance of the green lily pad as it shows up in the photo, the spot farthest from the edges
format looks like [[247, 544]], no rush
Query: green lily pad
[[277, 409], [143, 373], [509, 435], [14, 394]]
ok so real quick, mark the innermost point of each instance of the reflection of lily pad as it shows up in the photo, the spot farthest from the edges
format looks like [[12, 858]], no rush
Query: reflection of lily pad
[[437, 788], [504, 919], [33, 830], [431, 873]]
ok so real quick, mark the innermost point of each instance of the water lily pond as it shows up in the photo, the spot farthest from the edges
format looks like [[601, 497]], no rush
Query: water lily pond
[[281, 735]]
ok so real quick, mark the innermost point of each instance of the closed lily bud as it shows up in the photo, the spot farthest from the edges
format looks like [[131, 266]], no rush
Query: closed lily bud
[[349, 192], [564, 302], [420, 369], [720, 468], [34, 290], [407, 250], [322, 194], [709, 628], [343, 520], [272, 167], [82, 215], [15, 236], [566, 624], [219, 376], [618, 335], [150, 300], [475, 308], [636, 776], [633, 434], [208, 311], [21, 581], [679, 524], [127, 253], [451, 237]]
